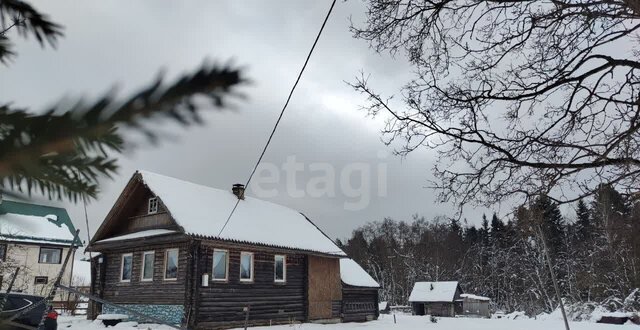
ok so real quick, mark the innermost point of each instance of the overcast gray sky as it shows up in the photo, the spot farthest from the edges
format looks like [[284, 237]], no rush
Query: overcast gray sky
[[125, 44]]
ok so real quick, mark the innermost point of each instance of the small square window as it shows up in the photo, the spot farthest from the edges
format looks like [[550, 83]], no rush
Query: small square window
[[220, 265], [246, 267], [41, 280], [50, 256], [153, 205], [280, 269]]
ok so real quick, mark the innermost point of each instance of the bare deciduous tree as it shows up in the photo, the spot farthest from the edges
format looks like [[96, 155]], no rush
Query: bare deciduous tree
[[519, 98]]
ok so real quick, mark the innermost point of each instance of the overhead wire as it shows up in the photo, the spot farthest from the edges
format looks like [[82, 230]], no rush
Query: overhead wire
[[286, 104]]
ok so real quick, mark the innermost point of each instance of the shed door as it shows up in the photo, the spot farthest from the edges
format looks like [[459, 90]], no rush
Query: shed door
[[324, 286]]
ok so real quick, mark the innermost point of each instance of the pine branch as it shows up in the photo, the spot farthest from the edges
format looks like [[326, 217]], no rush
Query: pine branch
[[28, 21], [62, 152]]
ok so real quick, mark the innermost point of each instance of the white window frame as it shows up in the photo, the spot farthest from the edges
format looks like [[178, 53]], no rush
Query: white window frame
[[122, 267], [152, 207], [60, 251], [153, 266], [226, 275], [166, 259], [284, 268], [252, 267]]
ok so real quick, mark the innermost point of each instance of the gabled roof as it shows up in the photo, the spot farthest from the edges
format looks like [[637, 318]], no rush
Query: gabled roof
[[433, 291], [202, 211], [352, 274], [33, 223]]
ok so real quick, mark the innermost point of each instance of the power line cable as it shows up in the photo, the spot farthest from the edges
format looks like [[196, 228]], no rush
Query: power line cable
[[273, 131]]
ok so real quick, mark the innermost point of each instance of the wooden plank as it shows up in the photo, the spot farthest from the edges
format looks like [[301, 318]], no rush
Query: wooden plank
[[324, 286]]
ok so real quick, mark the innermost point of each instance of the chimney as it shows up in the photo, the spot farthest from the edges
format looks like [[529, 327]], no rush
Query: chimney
[[238, 190]]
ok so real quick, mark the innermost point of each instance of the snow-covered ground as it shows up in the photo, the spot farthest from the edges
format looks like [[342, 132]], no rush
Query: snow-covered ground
[[404, 322]]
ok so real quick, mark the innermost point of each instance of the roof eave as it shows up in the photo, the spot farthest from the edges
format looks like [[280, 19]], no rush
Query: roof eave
[[305, 251]]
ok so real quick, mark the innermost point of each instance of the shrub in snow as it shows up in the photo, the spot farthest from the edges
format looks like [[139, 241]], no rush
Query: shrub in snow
[[632, 301], [433, 319]]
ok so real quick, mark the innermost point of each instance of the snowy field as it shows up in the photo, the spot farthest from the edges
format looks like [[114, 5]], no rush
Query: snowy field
[[405, 322]]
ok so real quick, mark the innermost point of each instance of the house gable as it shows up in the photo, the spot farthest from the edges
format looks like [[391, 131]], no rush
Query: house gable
[[130, 213]]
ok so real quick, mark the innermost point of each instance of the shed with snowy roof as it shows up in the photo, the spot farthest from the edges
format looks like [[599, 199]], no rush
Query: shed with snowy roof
[[436, 298], [168, 247], [474, 305], [359, 293]]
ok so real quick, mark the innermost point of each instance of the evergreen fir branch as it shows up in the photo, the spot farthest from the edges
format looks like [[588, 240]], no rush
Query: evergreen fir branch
[[62, 152], [5, 49], [27, 21]]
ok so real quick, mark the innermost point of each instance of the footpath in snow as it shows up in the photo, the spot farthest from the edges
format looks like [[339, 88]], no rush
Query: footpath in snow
[[405, 322]]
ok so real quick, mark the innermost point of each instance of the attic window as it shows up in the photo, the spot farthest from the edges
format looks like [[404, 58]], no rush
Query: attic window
[[153, 205]]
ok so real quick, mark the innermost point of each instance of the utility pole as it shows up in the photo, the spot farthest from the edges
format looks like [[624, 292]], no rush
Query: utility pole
[[553, 277]]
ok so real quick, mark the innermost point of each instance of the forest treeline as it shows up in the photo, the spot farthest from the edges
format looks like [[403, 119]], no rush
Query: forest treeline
[[595, 253]]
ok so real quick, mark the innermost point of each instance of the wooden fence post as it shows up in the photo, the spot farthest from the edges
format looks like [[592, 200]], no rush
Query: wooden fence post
[[246, 317]]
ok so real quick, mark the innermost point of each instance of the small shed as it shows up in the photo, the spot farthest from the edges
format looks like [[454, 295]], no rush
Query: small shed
[[436, 298], [359, 293], [473, 305]]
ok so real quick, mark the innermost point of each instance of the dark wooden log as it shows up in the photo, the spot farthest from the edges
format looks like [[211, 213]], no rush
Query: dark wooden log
[[359, 304]]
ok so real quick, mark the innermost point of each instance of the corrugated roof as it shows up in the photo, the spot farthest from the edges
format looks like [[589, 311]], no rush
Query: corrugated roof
[[203, 211], [33, 223]]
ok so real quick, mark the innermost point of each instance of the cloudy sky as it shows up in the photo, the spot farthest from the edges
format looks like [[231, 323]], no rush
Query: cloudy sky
[[125, 45]]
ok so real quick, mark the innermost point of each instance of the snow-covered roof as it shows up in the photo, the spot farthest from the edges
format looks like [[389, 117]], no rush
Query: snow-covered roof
[[202, 210], [352, 274], [139, 234], [34, 229], [473, 296], [433, 291]]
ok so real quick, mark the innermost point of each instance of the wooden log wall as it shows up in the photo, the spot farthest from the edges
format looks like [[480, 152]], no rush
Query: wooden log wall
[[359, 304], [158, 291], [221, 304]]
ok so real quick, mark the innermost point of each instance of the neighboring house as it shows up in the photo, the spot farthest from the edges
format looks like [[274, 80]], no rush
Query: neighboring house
[[359, 293], [168, 250], [436, 298], [473, 305], [35, 238]]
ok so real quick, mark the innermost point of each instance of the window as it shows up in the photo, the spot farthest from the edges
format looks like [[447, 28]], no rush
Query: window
[[126, 267], [171, 264], [220, 265], [280, 269], [147, 265], [3, 252], [49, 256], [246, 267], [153, 205], [41, 280]]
